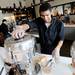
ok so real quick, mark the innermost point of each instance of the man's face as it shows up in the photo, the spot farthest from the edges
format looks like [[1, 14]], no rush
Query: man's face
[[46, 16]]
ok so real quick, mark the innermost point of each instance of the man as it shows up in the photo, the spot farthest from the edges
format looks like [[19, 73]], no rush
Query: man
[[3, 32], [1, 39], [4, 28], [51, 31]]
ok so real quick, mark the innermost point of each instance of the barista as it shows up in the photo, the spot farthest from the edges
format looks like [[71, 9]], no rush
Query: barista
[[51, 31]]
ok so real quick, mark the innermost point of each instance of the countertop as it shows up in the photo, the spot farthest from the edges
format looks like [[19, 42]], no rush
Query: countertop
[[63, 67], [69, 25]]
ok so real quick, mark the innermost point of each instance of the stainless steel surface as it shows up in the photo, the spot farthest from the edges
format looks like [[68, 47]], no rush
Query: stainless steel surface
[[21, 51], [62, 67], [11, 40], [21, 46]]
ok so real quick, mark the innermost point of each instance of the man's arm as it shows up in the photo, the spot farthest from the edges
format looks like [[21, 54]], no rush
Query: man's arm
[[24, 27], [56, 51], [19, 32], [59, 45], [60, 35]]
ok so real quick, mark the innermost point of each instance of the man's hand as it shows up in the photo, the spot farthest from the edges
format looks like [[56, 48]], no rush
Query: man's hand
[[19, 32], [56, 54], [56, 51]]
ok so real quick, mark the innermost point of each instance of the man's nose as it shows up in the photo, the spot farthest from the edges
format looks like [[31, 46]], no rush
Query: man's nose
[[45, 17]]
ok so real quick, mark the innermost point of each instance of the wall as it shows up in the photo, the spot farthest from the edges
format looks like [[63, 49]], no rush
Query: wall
[[53, 3], [58, 2], [8, 3], [5, 3]]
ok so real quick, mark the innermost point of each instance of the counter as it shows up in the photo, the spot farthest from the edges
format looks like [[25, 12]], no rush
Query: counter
[[2, 67], [69, 32], [63, 67], [71, 26]]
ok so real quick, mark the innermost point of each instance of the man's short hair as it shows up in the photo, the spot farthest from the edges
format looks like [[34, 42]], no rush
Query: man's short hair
[[45, 6]]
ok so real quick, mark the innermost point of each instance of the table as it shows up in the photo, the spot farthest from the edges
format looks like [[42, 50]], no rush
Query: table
[[2, 67], [63, 67]]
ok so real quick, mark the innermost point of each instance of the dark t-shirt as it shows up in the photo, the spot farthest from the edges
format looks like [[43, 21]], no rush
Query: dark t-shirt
[[49, 37]]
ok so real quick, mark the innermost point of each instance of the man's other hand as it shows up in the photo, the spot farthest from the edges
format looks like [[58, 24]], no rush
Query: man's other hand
[[19, 32]]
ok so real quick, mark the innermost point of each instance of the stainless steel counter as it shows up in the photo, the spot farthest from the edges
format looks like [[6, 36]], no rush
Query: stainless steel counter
[[63, 66], [69, 32]]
